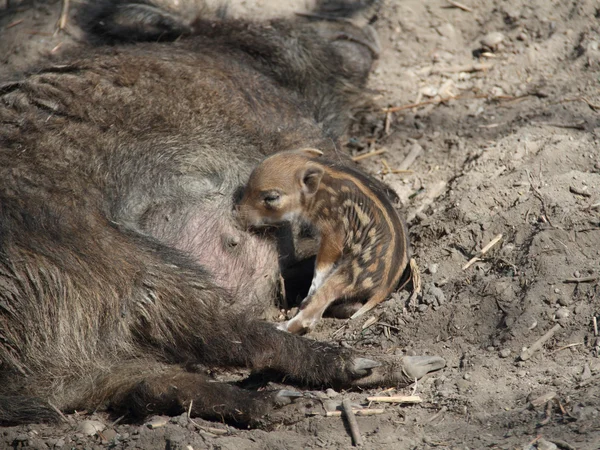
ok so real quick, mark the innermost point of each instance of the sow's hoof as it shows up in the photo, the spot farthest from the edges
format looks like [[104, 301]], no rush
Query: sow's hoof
[[399, 372]]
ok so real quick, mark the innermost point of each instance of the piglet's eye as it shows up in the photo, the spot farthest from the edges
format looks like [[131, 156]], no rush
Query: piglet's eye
[[271, 198]]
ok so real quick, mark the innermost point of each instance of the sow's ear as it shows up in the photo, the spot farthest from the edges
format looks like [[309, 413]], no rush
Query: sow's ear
[[310, 178]]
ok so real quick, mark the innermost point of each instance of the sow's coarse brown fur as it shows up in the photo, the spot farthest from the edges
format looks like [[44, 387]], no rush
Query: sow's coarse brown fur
[[119, 254]]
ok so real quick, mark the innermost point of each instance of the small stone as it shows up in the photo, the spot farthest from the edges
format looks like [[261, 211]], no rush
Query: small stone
[[90, 427], [563, 300], [21, 438], [577, 274], [586, 373], [433, 268], [422, 308], [331, 393], [463, 385], [521, 373], [491, 349], [60, 443], [438, 294], [562, 313], [556, 290], [543, 444], [429, 91], [331, 405], [109, 434], [157, 422], [320, 395], [504, 353], [467, 376], [542, 399], [491, 40]]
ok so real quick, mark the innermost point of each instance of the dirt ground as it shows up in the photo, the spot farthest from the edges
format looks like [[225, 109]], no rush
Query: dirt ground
[[498, 101]]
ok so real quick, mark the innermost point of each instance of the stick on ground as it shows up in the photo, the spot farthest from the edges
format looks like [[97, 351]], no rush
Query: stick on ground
[[352, 423], [64, 15], [528, 352], [459, 6], [482, 252], [397, 399], [357, 412], [368, 155]]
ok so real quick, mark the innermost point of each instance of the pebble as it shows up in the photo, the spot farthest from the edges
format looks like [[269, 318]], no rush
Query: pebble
[[586, 373], [433, 268], [563, 300], [492, 39], [467, 376], [422, 308], [60, 443], [505, 353], [90, 427], [463, 385], [332, 393], [157, 421], [562, 313], [577, 274], [543, 444], [109, 435]]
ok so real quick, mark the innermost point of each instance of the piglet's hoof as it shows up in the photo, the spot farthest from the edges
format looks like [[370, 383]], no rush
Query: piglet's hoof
[[401, 372]]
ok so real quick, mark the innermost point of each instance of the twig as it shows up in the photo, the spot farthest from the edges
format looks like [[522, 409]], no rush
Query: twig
[[459, 6], [64, 15], [357, 412], [14, 24], [564, 347], [437, 414], [581, 192], [472, 67], [414, 391], [540, 197], [575, 126], [592, 106], [387, 325], [368, 155], [414, 153], [62, 416], [388, 123], [433, 192], [528, 352], [424, 103], [482, 252], [595, 322], [397, 399], [580, 280], [116, 421], [215, 431], [352, 423]]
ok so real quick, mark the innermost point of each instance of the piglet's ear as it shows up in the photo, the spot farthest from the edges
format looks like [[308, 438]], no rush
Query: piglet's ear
[[311, 152], [310, 178]]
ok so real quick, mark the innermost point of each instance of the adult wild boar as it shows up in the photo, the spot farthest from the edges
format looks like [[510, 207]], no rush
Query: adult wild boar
[[120, 258]]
